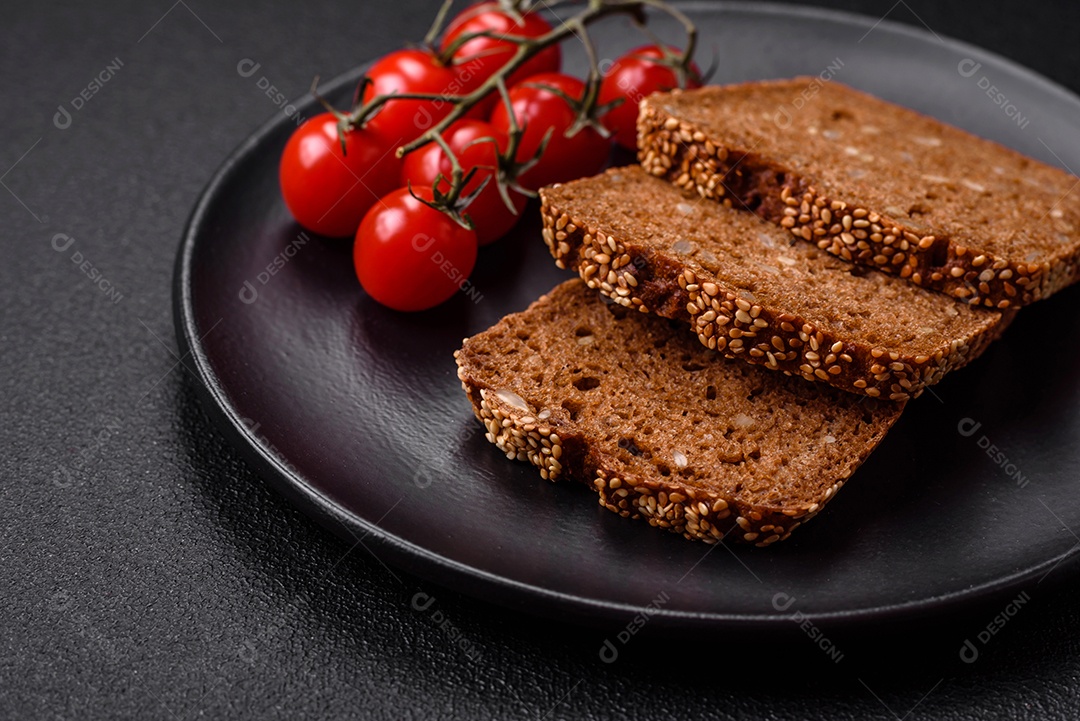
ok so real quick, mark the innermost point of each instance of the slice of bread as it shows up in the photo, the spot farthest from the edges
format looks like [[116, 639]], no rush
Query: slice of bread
[[660, 426], [750, 291], [873, 183]]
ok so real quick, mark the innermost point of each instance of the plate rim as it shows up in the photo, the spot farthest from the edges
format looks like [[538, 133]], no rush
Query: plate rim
[[484, 585]]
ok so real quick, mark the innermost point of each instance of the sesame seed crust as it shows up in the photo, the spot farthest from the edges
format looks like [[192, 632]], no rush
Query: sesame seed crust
[[520, 437], [648, 278], [559, 449], [683, 154]]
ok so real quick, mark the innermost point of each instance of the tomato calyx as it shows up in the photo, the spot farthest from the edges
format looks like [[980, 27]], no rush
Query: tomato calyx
[[346, 122], [505, 173], [587, 109], [453, 202], [508, 168]]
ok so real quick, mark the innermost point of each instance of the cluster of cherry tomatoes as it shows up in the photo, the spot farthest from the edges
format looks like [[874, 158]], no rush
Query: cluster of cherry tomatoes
[[346, 181]]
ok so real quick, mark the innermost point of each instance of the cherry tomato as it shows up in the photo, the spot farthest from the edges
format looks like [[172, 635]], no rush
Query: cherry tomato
[[479, 58], [536, 110], [411, 257], [633, 77], [411, 71], [489, 214], [327, 192]]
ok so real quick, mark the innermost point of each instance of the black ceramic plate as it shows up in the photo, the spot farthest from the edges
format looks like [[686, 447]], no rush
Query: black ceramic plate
[[355, 412]]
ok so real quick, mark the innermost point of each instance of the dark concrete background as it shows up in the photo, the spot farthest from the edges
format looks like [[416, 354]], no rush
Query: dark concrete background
[[146, 572]]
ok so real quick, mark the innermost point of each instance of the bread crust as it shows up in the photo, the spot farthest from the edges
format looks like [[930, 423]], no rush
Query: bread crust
[[649, 279], [676, 149]]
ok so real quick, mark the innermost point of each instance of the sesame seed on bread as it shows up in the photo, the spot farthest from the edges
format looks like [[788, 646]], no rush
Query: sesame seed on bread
[[748, 290], [661, 427], [874, 183]]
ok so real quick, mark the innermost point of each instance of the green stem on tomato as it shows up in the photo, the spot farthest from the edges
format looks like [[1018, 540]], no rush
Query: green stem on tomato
[[437, 24], [683, 70], [526, 49]]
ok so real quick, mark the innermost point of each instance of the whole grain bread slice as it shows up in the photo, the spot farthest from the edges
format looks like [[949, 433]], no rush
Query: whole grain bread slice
[[660, 426], [750, 291], [874, 183]]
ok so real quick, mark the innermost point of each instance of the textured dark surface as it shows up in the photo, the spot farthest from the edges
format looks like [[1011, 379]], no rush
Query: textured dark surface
[[148, 573]]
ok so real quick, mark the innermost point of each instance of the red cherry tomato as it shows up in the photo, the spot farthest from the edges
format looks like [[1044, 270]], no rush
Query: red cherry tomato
[[478, 59], [410, 71], [537, 110], [489, 214], [327, 192], [633, 77], [411, 257]]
